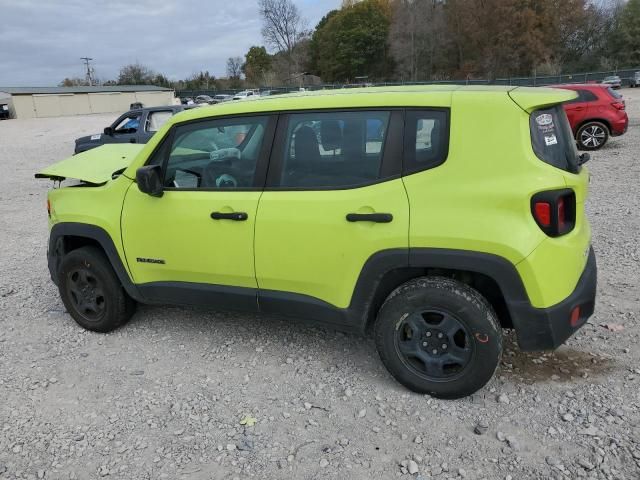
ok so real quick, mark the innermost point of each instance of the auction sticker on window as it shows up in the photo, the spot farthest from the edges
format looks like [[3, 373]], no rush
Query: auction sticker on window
[[544, 120], [95, 137], [550, 140]]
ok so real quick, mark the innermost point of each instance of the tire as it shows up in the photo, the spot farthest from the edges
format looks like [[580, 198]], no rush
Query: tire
[[592, 136], [435, 306], [91, 291]]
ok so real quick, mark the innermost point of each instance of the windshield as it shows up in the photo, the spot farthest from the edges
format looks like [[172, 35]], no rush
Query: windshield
[[552, 139]]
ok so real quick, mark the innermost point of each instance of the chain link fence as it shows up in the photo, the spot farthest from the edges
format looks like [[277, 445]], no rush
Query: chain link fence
[[626, 75]]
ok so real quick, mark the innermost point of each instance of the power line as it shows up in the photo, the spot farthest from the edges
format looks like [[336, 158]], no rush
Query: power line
[[89, 69]]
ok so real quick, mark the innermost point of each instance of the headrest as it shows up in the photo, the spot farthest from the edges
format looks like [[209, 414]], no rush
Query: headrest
[[330, 134]]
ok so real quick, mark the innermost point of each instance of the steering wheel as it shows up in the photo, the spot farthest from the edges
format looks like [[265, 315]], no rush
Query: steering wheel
[[226, 181]]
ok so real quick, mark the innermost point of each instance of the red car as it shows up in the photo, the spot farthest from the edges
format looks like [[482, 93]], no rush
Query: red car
[[595, 115]]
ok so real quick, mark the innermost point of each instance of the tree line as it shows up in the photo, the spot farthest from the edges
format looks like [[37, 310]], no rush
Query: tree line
[[425, 40]]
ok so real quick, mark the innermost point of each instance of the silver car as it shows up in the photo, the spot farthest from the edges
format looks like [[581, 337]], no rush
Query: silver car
[[614, 81]]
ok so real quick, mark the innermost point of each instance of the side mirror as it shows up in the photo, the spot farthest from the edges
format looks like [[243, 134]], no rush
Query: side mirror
[[583, 158], [108, 131], [149, 180]]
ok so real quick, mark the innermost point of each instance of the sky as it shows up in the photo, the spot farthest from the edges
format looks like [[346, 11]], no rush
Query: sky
[[41, 41]]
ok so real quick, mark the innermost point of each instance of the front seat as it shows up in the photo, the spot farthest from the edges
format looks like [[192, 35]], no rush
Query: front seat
[[305, 147], [306, 151]]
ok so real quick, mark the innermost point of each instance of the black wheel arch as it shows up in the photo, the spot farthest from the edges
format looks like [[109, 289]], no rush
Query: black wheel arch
[[68, 236], [492, 276], [591, 120]]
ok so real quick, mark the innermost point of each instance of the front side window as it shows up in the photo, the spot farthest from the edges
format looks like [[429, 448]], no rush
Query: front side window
[[552, 139], [129, 124], [155, 120], [334, 149], [426, 139], [216, 154]]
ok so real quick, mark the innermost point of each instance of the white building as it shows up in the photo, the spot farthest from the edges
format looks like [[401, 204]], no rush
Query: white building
[[31, 102]]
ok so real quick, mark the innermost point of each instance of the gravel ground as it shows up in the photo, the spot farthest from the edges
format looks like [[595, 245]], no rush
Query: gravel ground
[[164, 397]]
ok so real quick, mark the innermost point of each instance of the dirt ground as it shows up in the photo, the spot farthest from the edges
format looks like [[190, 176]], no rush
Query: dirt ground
[[163, 397]]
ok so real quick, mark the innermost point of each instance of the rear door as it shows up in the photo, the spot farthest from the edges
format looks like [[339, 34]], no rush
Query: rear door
[[334, 198], [577, 109]]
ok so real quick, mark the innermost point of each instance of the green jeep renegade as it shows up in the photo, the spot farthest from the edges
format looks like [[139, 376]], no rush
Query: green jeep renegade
[[436, 216]]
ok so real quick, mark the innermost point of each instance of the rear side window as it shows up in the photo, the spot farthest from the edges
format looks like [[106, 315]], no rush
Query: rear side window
[[155, 120], [583, 96], [426, 140], [588, 96], [334, 149], [552, 139]]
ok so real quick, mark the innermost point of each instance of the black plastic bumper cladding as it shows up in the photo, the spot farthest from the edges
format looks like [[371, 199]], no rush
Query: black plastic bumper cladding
[[548, 328], [56, 250], [537, 329]]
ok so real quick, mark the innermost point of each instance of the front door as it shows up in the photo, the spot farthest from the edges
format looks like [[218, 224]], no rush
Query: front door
[[333, 199], [125, 129], [197, 238]]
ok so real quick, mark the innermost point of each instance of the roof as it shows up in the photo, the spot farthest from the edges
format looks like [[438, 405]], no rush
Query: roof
[[374, 97], [581, 85], [100, 89]]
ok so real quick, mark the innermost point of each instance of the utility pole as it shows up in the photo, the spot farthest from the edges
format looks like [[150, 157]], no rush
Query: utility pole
[[89, 69]]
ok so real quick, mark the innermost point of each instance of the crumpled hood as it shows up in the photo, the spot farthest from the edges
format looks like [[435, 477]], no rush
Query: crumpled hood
[[95, 166]]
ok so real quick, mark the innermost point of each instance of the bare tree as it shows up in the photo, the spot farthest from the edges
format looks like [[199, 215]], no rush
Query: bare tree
[[282, 27], [136, 74], [234, 71], [234, 67]]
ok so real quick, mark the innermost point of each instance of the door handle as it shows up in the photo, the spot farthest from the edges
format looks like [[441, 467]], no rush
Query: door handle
[[370, 217], [236, 216]]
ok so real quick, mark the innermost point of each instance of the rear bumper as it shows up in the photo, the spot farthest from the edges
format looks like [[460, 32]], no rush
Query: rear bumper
[[620, 126], [548, 328]]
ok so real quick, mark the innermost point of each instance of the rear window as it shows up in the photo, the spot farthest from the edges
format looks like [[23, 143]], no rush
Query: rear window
[[552, 139]]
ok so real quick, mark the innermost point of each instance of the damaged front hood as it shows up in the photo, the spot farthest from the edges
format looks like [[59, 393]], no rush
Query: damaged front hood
[[95, 166]]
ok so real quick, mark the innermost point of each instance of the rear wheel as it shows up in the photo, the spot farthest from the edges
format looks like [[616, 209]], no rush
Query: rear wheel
[[438, 336], [592, 136], [91, 291]]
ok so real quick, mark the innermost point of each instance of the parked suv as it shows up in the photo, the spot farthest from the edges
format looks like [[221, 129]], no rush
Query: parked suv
[[614, 81], [634, 80], [135, 126], [596, 114], [423, 213]]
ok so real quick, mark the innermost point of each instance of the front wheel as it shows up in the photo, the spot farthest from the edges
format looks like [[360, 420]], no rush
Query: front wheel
[[91, 291], [592, 136], [439, 336]]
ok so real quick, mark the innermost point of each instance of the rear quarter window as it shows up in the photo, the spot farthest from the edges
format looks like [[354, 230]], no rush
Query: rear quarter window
[[552, 139]]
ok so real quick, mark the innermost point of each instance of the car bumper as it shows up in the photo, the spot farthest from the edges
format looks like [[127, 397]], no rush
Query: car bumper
[[619, 127], [548, 328]]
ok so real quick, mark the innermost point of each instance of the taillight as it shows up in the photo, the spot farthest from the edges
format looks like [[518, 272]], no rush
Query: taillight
[[561, 214], [618, 105], [554, 211], [542, 212], [49, 207], [574, 318]]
